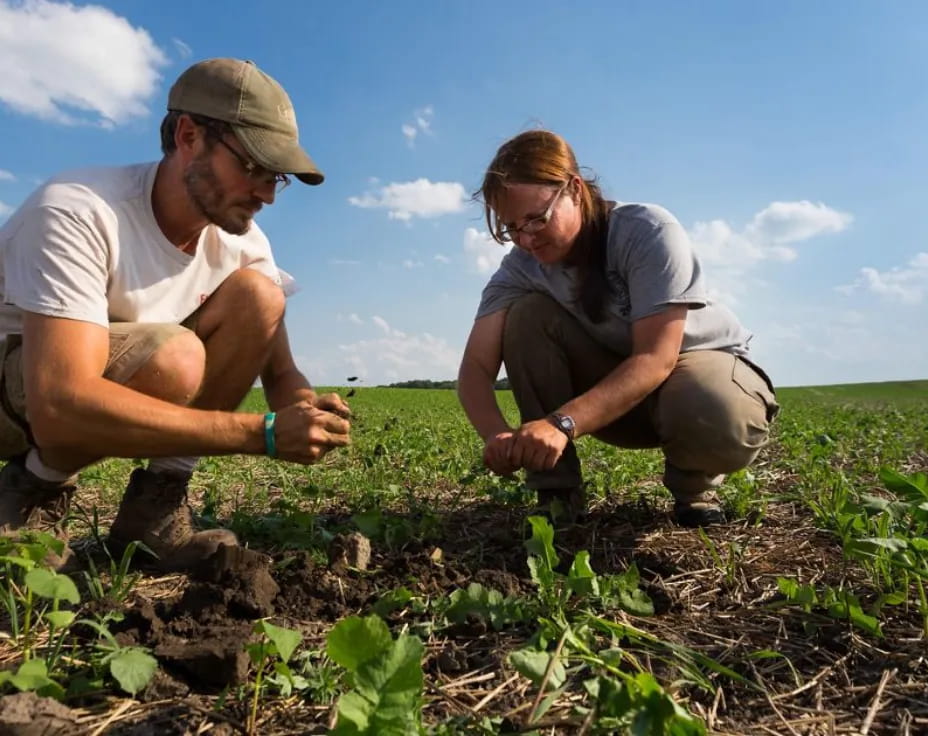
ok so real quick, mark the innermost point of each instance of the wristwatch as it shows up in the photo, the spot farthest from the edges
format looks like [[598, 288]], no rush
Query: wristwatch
[[563, 423]]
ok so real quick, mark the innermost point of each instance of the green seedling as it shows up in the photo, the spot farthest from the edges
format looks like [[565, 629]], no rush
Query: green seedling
[[839, 604], [487, 605], [274, 648], [385, 677], [131, 667], [581, 584], [637, 704]]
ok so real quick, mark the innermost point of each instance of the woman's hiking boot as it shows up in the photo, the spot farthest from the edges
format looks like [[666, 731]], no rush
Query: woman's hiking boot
[[155, 511], [29, 503], [698, 512]]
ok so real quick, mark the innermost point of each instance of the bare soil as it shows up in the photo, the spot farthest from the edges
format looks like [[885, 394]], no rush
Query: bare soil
[[826, 678]]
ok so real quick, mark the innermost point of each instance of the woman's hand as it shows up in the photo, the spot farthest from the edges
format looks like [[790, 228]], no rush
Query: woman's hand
[[537, 445], [496, 454]]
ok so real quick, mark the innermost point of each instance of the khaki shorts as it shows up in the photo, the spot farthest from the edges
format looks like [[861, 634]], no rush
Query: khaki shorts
[[131, 346]]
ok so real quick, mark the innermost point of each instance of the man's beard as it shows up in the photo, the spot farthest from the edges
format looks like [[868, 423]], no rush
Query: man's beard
[[208, 195]]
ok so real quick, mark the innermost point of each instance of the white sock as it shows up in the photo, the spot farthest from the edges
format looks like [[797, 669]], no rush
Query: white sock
[[35, 466], [173, 465]]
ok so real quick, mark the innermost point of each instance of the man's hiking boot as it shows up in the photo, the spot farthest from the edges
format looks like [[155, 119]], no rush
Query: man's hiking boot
[[698, 513], [562, 506], [155, 511], [29, 503]]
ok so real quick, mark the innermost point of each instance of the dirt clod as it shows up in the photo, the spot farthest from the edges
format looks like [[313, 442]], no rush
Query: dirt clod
[[215, 662], [234, 581], [27, 714]]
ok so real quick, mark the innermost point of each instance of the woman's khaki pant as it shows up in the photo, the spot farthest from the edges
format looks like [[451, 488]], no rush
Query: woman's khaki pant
[[710, 416]]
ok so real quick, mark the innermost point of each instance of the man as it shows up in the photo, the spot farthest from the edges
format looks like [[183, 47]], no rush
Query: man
[[139, 306]]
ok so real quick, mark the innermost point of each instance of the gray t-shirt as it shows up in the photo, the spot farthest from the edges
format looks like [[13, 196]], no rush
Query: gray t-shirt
[[650, 264]]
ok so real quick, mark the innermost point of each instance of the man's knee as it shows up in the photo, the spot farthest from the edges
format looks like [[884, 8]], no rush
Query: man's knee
[[174, 371], [247, 299]]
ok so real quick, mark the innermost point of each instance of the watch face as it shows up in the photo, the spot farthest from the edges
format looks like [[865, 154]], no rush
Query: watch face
[[564, 423]]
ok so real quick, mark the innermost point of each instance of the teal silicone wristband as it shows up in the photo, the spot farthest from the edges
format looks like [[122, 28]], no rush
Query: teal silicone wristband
[[270, 441]]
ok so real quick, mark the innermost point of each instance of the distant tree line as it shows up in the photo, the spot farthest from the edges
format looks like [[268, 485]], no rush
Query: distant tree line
[[501, 385]]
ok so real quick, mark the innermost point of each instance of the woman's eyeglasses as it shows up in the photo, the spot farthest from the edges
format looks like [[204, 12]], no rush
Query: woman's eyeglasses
[[536, 224]]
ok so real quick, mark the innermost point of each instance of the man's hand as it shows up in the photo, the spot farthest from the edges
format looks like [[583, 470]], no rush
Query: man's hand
[[305, 433], [332, 403], [496, 454], [537, 445]]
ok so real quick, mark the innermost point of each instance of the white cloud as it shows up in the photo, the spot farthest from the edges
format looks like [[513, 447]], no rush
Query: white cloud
[[442, 258], [355, 319], [483, 252], [400, 357], [381, 323], [906, 285], [730, 255], [5, 209], [410, 131], [412, 264], [6, 175], [419, 198], [75, 64], [790, 222], [422, 123], [183, 50]]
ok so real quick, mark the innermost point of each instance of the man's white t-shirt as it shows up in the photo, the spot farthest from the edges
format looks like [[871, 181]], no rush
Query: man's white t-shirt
[[86, 246]]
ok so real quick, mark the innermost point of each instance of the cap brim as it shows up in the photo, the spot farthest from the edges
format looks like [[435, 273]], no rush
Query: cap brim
[[278, 152]]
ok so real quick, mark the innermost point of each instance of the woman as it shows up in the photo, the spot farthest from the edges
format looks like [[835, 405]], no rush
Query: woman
[[601, 316]]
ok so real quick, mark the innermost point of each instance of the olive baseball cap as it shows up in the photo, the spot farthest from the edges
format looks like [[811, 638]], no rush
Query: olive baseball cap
[[255, 105]]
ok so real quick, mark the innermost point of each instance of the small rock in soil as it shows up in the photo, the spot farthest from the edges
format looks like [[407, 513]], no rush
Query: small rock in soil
[[26, 714], [349, 551]]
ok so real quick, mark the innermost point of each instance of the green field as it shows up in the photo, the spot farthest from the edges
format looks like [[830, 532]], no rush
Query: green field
[[807, 613]]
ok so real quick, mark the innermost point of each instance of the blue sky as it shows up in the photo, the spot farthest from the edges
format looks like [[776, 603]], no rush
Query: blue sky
[[789, 139]]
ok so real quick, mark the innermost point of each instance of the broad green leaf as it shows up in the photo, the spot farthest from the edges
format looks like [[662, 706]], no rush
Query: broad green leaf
[[541, 543], [22, 562], [31, 675], [258, 651], [392, 601], [542, 575], [355, 640], [533, 665], [354, 715], [284, 640], [913, 487], [788, 587], [60, 619], [49, 584], [394, 683], [872, 546], [369, 523], [636, 602], [580, 578], [285, 678], [133, 669]]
